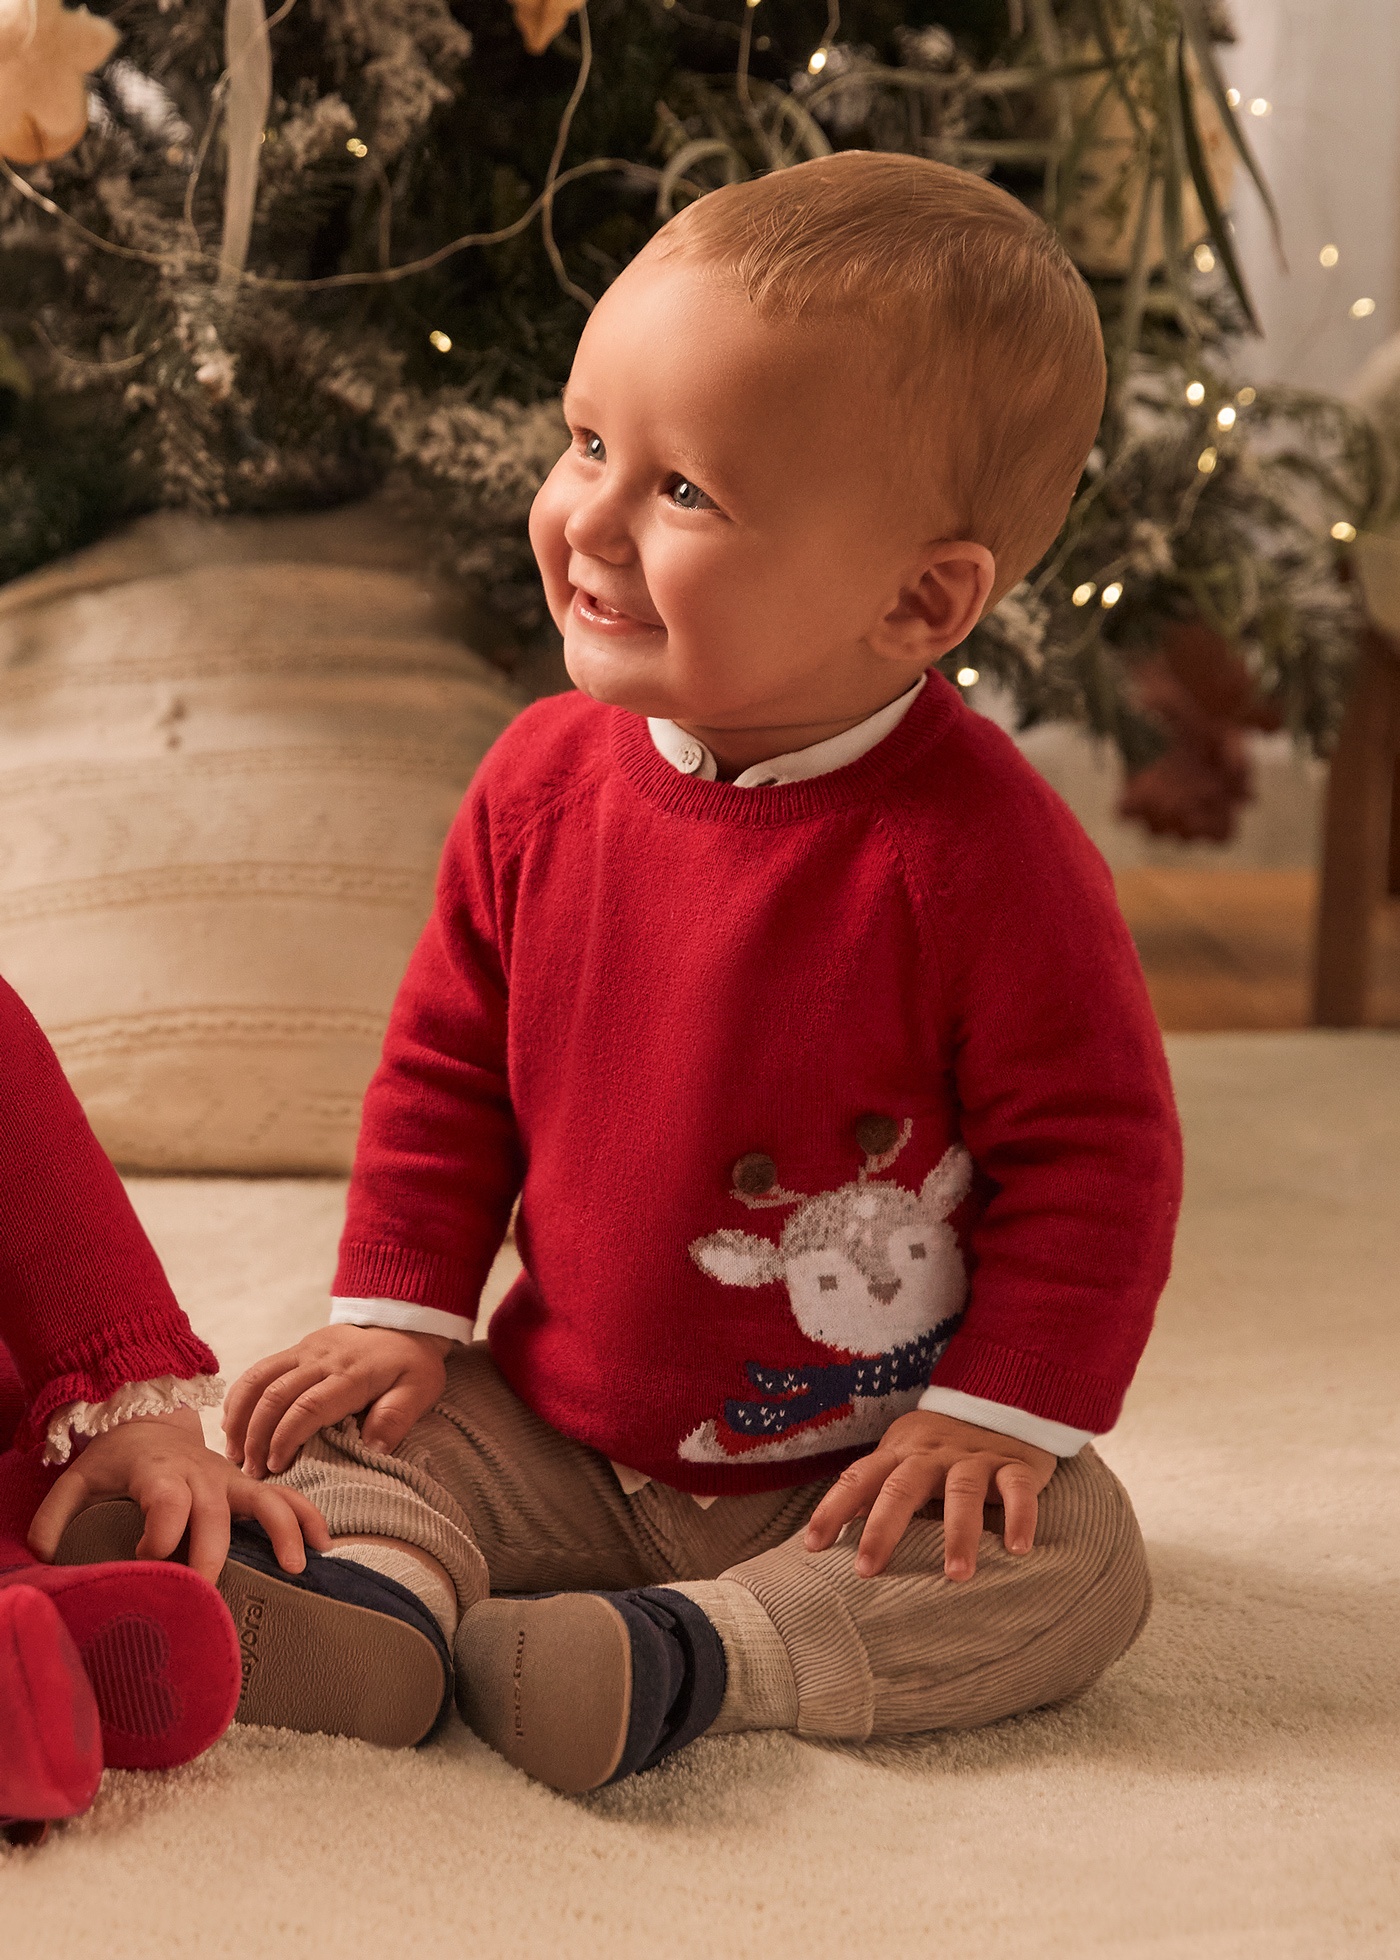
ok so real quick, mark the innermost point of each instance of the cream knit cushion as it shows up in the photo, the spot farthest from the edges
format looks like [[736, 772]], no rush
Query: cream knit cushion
[[229, 753]]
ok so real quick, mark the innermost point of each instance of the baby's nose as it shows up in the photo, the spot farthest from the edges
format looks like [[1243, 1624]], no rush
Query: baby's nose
[[884, 1290]]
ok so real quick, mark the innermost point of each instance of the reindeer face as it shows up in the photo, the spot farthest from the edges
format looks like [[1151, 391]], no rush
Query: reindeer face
[[868, 1267]]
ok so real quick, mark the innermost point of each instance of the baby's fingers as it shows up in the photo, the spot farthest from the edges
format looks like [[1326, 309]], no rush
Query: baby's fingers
[[906, 1490], [288, 1518], [166, 1503], [209, 1533], [245, 1395], [964, 1494], [850, 1497], [1019, 1497], [388, 1419], [56, 1513], [318, 1403], [277, 1400]]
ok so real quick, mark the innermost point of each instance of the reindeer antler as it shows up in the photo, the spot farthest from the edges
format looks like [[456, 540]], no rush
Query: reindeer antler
[[882, 1139], [755, 1182]]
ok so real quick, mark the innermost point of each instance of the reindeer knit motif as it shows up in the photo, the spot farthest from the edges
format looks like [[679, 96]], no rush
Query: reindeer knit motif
[[894, 1005]]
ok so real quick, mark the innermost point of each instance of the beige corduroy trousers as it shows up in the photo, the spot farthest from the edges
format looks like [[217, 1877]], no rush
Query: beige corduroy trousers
[[507, 1504]]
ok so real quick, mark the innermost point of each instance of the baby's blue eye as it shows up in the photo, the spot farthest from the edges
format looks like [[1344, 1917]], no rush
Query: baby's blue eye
[[688, 495], [593, 449]]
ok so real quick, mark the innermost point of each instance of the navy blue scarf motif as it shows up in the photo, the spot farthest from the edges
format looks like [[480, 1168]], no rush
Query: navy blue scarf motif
[[795, 1395]]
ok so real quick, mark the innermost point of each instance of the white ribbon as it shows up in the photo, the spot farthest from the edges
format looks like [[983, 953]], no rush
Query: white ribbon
[[248, 58]]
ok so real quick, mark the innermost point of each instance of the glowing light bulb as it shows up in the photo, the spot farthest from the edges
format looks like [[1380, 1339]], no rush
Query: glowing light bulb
[[1111, 594], [1195, 393], [817, 62], [1343, 532], [1207, 461], [1328, 256], [968, 677], [1246, 396], [356, 147], [1225, 417], [1205, 258], [1082, 594], [1232, 96], [442, 341], [1362, 309], [1260, 106]]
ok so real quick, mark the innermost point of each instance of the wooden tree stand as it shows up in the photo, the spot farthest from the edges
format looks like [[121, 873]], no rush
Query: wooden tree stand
[[1361, 840]]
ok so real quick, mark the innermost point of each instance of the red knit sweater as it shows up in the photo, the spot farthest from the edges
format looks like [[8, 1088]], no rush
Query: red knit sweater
[[733, 1048], [84, 1305]]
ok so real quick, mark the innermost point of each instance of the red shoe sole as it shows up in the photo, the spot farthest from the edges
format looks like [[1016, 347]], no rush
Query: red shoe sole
[[50, 1740], [159, 1649]]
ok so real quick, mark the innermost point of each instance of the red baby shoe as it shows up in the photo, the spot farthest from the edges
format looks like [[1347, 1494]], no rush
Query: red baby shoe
[[158, 1647], [50, 1740]]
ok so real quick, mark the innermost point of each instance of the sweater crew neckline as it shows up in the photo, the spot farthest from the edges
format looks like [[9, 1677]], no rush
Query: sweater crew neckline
[[660, 782]]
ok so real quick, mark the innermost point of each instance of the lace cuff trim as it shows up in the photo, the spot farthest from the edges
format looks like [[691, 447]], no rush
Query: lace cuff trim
[[160, 1397]]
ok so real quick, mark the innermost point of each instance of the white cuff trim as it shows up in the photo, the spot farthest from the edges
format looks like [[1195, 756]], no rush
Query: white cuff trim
[[1057, 1437], [161, 1397], [404, 1316]]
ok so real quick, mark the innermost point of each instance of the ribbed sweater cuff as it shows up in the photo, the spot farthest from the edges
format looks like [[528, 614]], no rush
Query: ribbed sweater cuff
[[140, 1352], [401, 1272], [1030, 1382]]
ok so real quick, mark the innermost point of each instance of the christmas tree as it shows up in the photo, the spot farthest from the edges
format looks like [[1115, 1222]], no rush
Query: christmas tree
[[260, 262]]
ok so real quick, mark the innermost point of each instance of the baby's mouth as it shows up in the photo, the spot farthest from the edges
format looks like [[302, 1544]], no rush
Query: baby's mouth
[[597, 612]]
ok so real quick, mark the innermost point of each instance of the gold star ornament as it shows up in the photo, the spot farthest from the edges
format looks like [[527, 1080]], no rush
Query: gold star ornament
[[47, 51], [538, 20]]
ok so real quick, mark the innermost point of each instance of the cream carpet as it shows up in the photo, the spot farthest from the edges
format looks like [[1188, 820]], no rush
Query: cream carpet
[[1232, 1788]]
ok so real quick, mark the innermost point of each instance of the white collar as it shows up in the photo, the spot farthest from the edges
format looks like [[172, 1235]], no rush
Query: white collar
[[692, 758]]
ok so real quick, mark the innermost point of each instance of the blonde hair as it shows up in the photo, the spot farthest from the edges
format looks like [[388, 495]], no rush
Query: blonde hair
[[978, 314]]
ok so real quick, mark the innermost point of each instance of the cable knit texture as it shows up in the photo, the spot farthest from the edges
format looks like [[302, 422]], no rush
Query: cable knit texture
[[85, 1308], [811, 1094]]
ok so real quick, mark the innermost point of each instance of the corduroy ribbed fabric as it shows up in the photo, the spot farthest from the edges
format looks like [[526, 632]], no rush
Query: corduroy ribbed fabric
[[507, 1504], [667, 1011], [84, 1305]]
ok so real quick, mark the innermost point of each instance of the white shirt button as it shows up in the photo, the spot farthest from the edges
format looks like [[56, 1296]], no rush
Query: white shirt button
[[691, 758]]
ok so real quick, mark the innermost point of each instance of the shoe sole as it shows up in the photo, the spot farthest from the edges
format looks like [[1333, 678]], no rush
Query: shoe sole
[[159, 1650], [320, 1666], [547, 1683]]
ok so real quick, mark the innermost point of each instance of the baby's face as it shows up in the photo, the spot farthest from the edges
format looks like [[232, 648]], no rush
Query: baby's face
[[728, 521]]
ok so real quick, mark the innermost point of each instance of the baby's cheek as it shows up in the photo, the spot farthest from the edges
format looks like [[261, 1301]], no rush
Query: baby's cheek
[[548, 516]]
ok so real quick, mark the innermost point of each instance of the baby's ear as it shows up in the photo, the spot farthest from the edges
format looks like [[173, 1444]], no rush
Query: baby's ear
[[737, 1258], [949, 1182]]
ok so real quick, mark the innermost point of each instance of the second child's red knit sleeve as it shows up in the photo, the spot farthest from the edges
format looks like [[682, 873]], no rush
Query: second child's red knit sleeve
[[85, 1307], [1066, 1107], [437, 1165]]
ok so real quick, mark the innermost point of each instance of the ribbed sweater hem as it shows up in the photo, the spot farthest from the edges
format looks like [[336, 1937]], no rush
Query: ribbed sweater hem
[[1031, 1382], [400, 1272]]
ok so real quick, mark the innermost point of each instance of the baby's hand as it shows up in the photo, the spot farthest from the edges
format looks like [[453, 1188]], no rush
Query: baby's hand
[[163, 1463], [920, 1456], [280, 1403]]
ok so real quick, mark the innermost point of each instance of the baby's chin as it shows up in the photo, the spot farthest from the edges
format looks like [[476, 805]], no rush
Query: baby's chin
[[619, 678]]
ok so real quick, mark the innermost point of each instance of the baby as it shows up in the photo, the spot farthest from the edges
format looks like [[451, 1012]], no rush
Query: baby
[[798, 1014]]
